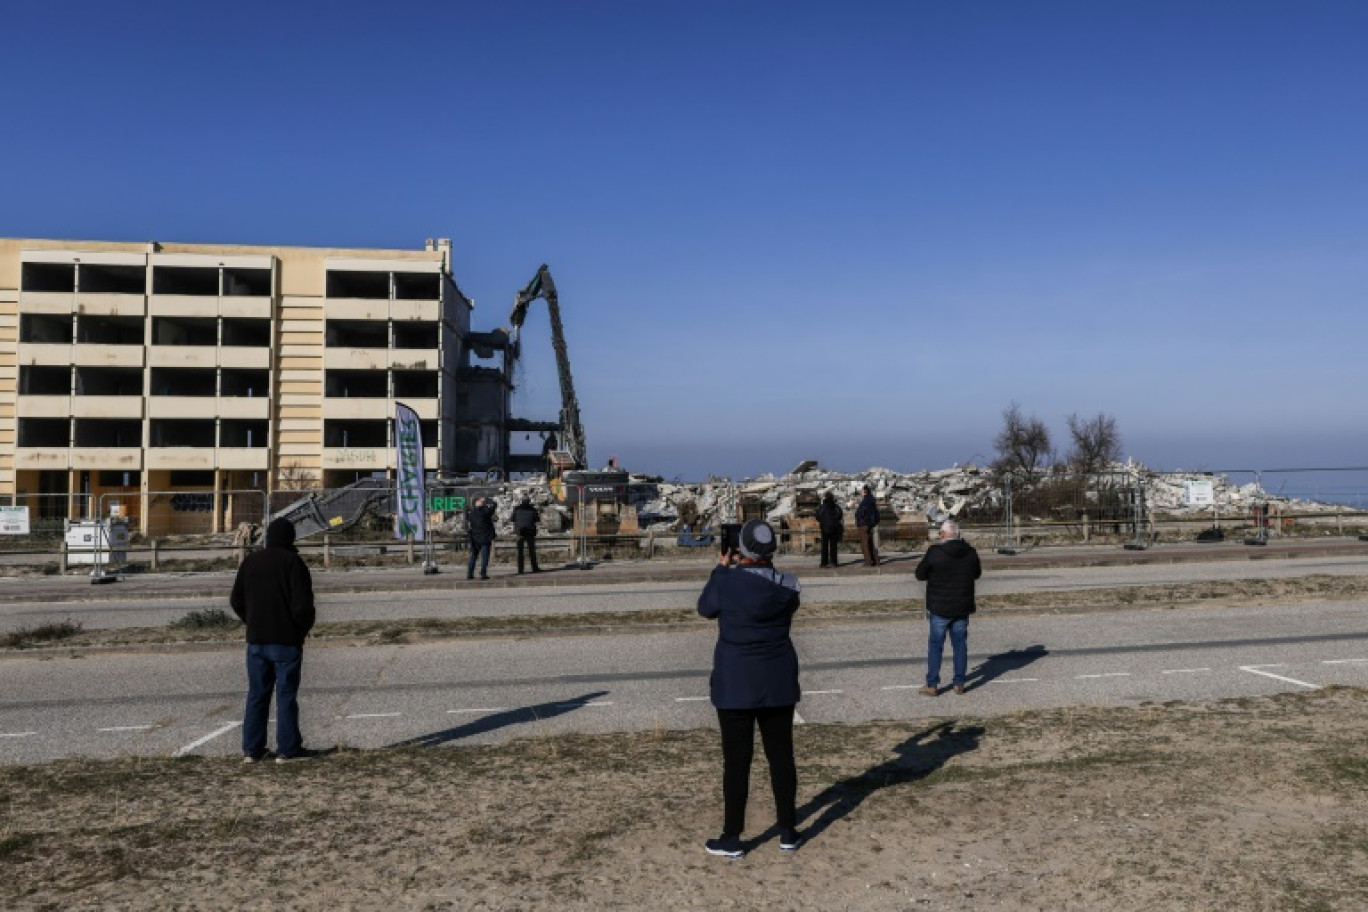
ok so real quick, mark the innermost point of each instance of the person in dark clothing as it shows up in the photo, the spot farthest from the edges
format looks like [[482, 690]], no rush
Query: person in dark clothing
[[831, 520], [949, 569], [866, 521], [754, 681], [480, 529], [273, 595], [525, 517]]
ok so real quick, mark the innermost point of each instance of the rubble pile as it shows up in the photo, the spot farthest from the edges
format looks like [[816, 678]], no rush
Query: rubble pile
[[663, 506]]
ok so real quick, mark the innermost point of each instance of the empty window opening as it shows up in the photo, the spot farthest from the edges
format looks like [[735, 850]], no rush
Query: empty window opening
[[247, 282], [415, 335], [242, 434], [418, 286], [355, 433], [190, 478], [183, 381], [201, 281], [119, 479], [45, 432], [109, 381], [357, 334], [43, 380], [415, 384], [174, 432], [429, 431], [349, 284], [96, 278], [184, 331], [101, 330], [45, 329], [246, 384], [48, 277], [355, 384], [238, 331], [108, 432]]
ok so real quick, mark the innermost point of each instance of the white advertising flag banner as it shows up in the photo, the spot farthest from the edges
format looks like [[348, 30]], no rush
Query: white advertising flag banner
[[410, 516]]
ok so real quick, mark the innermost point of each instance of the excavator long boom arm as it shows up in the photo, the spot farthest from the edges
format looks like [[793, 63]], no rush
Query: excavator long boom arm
[[542, 286]]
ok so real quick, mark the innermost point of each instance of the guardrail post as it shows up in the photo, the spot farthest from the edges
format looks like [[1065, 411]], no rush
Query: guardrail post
[[62, 559], [1086, 530], [327, 551], [156, 554], [409, 539]]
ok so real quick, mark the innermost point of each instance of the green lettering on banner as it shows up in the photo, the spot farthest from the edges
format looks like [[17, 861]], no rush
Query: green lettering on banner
[[456, 504]]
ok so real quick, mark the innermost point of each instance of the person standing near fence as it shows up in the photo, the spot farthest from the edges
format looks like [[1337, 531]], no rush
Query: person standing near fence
[[480, 529], [525, 518], [866, 521], [273, 595], [831, 520], [754, 681], [949, 569]]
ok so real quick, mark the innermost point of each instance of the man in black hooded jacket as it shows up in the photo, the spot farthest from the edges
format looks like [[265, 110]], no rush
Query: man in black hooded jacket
[[949, 569], [273, 595]]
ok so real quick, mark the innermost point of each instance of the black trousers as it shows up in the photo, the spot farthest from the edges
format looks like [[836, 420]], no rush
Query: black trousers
[[530, 541], [738, 748], [830, 544]]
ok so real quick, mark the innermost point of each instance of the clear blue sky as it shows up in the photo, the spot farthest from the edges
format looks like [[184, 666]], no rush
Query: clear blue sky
[[781, 230]]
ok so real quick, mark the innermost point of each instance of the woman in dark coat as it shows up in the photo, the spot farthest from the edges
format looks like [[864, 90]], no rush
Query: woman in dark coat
[[754, 681], [831, 520]]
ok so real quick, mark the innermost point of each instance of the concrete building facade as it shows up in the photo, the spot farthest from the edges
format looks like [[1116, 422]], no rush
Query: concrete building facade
[[149, 369]]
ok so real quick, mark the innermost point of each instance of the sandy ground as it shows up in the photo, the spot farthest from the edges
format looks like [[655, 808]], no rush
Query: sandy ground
[[1244, 804]]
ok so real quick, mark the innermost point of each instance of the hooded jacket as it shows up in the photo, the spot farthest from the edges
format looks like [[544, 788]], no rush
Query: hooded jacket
[[754, 663], [867, 513], [949, 570], [830, 517], [525, 518], [480, 523], [273, 592]]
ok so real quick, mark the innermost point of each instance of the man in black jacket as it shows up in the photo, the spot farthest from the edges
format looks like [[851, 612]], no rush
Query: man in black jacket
[[866, 521], [949, 569], [480, 528], [830, 519], [525, 517], [273, 595]]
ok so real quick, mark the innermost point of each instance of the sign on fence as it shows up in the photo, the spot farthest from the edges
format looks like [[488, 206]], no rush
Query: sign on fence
[[14, 521], [1201, 493]]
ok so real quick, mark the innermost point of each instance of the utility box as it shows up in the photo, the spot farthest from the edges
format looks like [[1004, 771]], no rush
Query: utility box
[[112, 540]]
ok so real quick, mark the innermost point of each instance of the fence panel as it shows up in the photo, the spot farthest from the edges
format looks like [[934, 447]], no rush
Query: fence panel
[[158, 514]]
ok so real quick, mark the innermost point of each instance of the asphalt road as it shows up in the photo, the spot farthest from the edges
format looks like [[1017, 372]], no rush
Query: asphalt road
[[462, 599], [489, 690]]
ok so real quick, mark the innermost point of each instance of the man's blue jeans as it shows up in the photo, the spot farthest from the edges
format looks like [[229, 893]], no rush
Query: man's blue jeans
[[278, 668], [478, 550], [958, 628]]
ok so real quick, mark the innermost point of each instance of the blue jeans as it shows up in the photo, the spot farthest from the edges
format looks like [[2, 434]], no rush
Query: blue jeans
[[477, 550], [958, 629], [278, 668]]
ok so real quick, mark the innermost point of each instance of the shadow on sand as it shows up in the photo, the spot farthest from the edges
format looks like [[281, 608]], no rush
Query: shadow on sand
[[502, 719]]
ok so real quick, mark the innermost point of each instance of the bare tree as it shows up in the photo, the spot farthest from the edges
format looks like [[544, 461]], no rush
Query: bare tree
[[1023, 444], [292, 476], [1096, 442]]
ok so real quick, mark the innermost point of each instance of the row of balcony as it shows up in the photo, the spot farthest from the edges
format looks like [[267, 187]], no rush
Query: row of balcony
[[133, 459], [210, 332], [199, 433], [187, 356], [132, 307], [46, 380], [135, 408], [204, 281]]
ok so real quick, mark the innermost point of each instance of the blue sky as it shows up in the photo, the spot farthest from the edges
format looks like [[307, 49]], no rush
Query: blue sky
[[853, 232]]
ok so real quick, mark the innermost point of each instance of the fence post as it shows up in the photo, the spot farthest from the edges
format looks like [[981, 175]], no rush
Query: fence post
[[1084, 514], [327, 550], [156, 554], [409, 540], [62, 558]]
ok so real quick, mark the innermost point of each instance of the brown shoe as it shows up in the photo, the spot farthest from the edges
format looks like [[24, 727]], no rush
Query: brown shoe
[[959, 688], [926, 690]]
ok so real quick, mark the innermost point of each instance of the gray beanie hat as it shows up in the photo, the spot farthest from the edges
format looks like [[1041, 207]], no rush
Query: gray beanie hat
[[757, 540]]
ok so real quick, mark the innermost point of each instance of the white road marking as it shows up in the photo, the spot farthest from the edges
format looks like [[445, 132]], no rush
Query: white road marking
[[689, 699], [1109, 674], [1013, 680], [596, 703], [485, 709], [125, 728], [16, 734], [206, 739], [807, 692], [1254, 669], [1342, 661], [901, 687], [797, 718], [373, 715], [1182, 671]]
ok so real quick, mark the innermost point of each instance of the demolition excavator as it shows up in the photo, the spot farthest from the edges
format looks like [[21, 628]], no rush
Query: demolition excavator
[[570, 480]]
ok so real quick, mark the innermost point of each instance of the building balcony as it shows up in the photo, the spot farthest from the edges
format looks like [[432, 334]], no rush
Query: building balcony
[[171, 305], [243, 458], [113, 305], [47, 302], [243, 407], [238, 356], [44, 406], [369, 458], [375, 409], [428, 311], [107, 407], [356, 358], [107, 458], [185, 356], [42, 458], [250, 306], [45, 353], [356, 309], [179, 406], [415, 359], [85, 355], [181, 457]]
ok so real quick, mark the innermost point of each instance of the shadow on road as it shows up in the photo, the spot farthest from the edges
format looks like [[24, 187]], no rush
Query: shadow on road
[[501, 719], [917, 757], [995, 666]]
